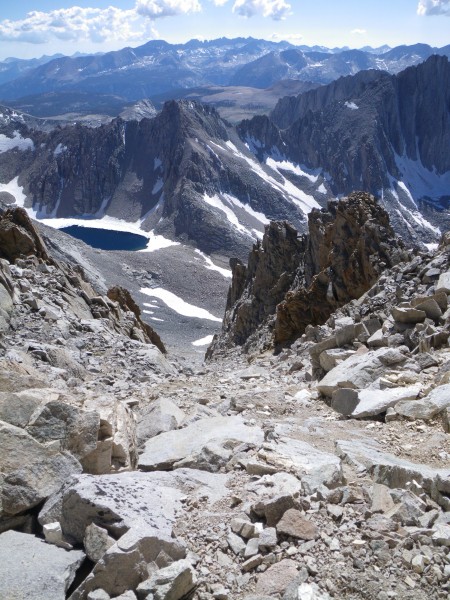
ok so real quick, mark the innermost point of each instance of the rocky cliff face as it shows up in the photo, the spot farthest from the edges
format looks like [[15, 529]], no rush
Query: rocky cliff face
[[348, 247], [385, 134], [256, 290], [190, 175], [179, 173], [293, 282]]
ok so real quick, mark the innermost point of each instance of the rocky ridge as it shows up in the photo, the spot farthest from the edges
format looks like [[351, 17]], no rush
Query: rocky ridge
[[370, 131], [179, 173], [294, 281], [321, 472], [188, 175]]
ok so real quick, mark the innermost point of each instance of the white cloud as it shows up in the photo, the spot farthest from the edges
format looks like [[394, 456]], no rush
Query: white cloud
[[166, 8], [94, 24], [111, 24], [77, 24], [359, 31], [276, 9], [433, 7]]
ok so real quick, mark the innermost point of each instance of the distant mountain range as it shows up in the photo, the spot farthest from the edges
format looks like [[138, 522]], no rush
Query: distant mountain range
[[162, 70], [189, 175]]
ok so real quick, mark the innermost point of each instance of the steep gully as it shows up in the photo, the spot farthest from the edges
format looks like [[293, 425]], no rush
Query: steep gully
[[319, 472]]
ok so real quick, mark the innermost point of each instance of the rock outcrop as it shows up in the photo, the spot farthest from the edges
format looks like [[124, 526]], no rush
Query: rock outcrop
[[52, 422], [19, 238], [293, 282], [143, 332]]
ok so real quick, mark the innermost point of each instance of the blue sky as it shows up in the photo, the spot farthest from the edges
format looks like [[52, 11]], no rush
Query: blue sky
[[30, 29]]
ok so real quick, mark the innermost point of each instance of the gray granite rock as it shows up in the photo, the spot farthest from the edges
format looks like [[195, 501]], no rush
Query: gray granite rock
[[32, 471], [443, 283], [171, 583], [368, 403], [393, 471], [358, 371], [166, 449], [314, 467], [137, 508], [96, 541], [31, 568], [160, 416], [437, 401]]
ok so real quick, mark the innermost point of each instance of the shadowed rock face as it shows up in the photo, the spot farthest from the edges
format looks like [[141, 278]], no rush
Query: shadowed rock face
[[18, 237], [348, 247], [291, 282], [362, 121], [123, 297], [165, 172], [370, 131], [257, 289]]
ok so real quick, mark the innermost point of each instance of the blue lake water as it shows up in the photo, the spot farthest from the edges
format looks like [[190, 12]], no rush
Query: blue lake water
[[104, 239]]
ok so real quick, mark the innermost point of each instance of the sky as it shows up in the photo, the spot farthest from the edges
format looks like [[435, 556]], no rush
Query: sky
[[30, 29]]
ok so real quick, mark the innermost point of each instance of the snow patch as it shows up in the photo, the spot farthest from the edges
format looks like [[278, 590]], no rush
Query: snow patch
[[17, 141], [216, 202], [59, 149], [232, 147], [212, 267], [418, 218], [351, 105], [261, 217], [157, 242], [178, 305], [304, 201], [420, 181], [203, 341], [15, 190], [285, 165], [322, 189], [158, 186]]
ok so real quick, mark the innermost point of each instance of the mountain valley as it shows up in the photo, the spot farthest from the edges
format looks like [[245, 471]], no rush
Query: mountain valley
[[318, 472]]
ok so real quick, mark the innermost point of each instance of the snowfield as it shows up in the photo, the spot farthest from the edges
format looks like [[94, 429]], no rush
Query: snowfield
[[17, 141], [178, 305], [212, 267], [203, 341]]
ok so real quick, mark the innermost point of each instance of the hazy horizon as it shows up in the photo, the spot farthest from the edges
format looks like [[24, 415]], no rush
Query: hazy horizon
[[60, 27]]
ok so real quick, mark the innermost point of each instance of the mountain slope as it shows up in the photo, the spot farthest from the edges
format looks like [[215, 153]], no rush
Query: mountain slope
[[184, 173], [385, 134], [190, 176], [147, 70], [158, 67], [324, 66]]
